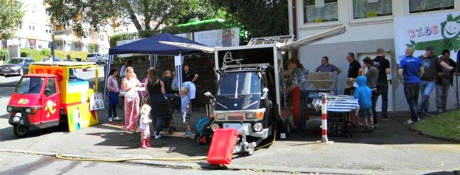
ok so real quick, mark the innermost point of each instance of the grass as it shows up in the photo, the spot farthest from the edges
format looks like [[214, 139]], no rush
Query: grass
[[444, 125]]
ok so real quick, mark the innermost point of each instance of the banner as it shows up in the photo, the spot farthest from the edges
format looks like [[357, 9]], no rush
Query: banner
[[440, 30]]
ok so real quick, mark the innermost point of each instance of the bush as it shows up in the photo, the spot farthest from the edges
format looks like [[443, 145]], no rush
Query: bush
[[25, 53], [4, 54], [45, 52]]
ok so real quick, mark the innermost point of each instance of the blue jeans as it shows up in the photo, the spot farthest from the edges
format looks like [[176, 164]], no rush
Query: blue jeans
[[426, 87], [157, 122], [303, 109], [411, 92]]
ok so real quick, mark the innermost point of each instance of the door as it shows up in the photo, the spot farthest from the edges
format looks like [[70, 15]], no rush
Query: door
[[51, 104]]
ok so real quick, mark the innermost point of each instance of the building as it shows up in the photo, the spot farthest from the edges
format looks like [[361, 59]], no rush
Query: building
[[36, 30], [369, 26]]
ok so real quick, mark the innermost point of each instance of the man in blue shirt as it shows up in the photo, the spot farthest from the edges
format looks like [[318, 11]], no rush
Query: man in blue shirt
[[410, 71]]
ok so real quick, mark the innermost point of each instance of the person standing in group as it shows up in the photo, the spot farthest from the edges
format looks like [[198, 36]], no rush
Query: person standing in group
[[353, 69], [186, 109], [383, 66], [131, 101], [114, 90], [299, 83], [409, 72], [326, 67], [445, 79], [157, 100], [188, 75], [372, 75], [364, 95], [128, 63], [431, 65]]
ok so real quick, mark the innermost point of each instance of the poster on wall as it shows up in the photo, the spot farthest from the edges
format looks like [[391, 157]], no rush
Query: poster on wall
[[440, 30]]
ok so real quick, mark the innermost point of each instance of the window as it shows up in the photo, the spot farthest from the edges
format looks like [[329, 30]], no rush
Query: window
[[416, 6], [50, 87], [371, 8], [316, 11]]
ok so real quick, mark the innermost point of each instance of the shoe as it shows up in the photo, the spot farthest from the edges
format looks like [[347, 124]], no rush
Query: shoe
[[110, 119], [117, 118], [410, 122], [143, 144], [157, 136], [147, 142]]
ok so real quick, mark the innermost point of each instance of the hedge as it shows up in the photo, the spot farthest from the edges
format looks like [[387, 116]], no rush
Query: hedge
[[178, 29], [38, 55], [4, 54]]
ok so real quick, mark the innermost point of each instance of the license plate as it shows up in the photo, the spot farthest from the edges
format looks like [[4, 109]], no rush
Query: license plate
[[237, 126]]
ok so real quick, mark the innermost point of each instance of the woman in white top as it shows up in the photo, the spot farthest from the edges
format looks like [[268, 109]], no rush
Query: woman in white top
[[129, 84]]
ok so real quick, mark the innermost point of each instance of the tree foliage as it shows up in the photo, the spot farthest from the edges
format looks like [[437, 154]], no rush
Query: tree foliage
[[258, 17], [146, 15], [11, 14]]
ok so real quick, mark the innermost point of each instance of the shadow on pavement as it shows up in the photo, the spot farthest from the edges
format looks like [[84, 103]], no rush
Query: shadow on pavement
[[455, 172], [174, 143], [392, 131]]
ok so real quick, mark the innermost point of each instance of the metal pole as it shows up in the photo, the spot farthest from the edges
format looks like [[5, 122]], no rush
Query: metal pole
[[456, 90], [52, 46], [324, 119]]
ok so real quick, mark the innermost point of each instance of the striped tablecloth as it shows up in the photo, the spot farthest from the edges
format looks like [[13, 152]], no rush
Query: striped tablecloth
[[337, 103]]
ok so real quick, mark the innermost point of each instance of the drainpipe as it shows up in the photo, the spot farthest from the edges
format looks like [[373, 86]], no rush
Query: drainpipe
[[294, 53]]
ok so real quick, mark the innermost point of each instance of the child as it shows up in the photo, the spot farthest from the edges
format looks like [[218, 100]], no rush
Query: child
[[364, 94], [186, 110], [350, 90], [144, 126]]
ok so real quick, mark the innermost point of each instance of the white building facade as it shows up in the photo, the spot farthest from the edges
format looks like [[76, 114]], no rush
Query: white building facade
[[369, 26], [35, 32]]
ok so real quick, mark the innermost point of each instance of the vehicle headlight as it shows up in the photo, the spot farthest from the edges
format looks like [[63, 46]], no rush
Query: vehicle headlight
[[220, 116], [32, 110], [255, 115], [215, 126], [9, 109], [257, 127]]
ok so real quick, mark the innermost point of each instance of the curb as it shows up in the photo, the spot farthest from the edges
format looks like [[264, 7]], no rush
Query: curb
[[413, 128]]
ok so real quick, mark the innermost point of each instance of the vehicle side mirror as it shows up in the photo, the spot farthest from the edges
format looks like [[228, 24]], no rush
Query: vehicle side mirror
[[47, 91], [208, 94], [264, 93]]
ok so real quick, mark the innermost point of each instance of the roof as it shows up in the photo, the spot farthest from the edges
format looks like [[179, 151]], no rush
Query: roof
[[41, 75], [64, 63], [151, 45]]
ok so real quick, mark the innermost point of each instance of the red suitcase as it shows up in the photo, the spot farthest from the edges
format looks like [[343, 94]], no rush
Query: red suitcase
[[222, 144]]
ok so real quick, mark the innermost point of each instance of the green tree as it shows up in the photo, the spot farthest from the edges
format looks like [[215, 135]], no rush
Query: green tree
[[10, 17], [258, 17], [146, 15]]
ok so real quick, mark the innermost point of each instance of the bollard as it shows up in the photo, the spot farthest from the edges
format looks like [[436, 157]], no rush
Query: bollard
[[324, 119]]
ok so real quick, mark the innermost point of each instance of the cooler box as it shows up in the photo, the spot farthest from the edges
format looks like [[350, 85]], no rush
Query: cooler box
[[222, 145]]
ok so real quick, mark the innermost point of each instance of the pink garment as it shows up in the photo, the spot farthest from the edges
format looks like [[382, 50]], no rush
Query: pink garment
[[112, 84], [131, 113]]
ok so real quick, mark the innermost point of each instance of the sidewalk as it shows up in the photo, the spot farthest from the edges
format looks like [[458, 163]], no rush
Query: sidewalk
[[391, 149]]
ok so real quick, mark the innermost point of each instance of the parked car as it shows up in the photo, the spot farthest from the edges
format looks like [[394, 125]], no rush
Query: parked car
[[56, 59], [16, 66], [96, 58]]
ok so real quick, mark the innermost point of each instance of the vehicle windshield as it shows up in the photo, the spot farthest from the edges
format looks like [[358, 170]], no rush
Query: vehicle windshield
[[14, 61], [29, 85], [91, 55], [237, 83]]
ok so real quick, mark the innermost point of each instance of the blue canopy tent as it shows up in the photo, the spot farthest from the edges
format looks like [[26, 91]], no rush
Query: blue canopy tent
[[152, 46]]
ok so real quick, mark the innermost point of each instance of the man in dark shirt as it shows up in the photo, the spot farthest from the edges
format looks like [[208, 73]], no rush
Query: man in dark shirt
[[326, 67], [432, 67], [445, 79], [383, 66], [353, 69], [188, 75]]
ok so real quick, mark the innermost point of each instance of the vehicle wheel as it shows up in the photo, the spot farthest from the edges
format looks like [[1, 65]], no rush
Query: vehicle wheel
[[20, 130]]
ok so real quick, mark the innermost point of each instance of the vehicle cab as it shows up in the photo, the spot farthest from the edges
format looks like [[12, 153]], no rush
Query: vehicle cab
[[34, 103], [53, 94]]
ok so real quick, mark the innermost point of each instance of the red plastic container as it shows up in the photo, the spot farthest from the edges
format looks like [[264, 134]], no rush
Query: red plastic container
[[222, 144]]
